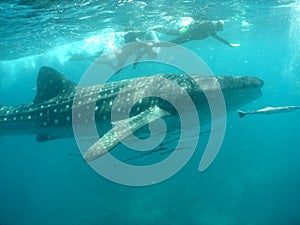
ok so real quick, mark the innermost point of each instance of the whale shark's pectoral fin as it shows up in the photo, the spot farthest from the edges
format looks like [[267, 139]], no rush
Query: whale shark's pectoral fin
[[121, 130]]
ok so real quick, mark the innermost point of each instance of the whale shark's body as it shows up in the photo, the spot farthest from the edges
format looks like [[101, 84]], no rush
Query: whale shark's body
[[59, 103]]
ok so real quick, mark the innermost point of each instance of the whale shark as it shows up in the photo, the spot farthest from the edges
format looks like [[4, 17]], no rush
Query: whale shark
[[59, 103]]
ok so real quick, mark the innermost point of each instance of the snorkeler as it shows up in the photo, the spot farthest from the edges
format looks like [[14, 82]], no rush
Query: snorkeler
[[192, 30], [198, 30]]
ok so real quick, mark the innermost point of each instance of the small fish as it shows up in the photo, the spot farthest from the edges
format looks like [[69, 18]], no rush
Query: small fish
[[269, 110]]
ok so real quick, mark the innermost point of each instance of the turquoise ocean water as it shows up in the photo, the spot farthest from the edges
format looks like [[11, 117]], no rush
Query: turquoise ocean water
[[254, 180]]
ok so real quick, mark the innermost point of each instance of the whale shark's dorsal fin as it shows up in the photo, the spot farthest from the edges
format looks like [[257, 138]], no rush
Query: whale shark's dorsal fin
[[50, 84]]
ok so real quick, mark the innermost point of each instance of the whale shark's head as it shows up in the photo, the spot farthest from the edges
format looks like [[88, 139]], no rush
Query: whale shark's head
[[237, 90], [240, 90]]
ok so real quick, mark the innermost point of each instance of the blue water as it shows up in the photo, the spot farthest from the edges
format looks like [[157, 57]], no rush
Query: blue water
[[255, 178]]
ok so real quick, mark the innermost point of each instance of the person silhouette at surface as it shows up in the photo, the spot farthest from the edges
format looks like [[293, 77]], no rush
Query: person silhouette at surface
[[198, 30], [194, 30]]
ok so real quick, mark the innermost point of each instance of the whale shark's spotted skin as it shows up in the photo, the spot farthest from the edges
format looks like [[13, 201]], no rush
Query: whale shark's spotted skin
[[50, 115]]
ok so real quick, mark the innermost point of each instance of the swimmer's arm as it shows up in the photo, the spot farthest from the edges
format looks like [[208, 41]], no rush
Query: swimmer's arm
[[216, 36]]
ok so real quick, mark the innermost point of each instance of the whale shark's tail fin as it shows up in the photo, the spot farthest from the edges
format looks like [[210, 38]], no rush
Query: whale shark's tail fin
[[241, 113]]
